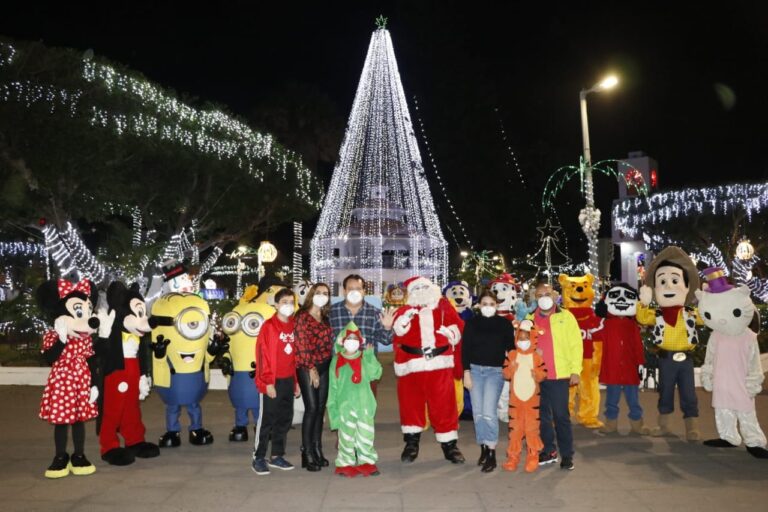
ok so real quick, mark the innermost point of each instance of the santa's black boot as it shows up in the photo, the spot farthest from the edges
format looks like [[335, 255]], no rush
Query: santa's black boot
[[411, 450], [452, 452]]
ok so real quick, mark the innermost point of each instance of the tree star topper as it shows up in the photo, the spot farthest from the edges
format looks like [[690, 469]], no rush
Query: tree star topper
[[381, 22]]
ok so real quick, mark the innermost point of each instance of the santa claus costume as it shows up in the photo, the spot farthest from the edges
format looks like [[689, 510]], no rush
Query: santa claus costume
[[426, 331]]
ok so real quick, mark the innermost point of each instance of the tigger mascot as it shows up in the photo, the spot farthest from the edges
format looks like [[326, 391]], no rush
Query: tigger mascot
[[524, 369]]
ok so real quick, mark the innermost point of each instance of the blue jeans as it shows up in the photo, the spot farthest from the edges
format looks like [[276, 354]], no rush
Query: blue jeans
[[631, 394], [554, 409], [487, 382]]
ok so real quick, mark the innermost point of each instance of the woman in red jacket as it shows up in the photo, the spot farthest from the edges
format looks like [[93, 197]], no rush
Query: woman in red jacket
[[313, 357], [276, 380]]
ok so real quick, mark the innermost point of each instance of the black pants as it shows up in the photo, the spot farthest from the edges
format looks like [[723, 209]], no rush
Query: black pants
[[677, 374], [275, 419], [554, 409], [314, 404]]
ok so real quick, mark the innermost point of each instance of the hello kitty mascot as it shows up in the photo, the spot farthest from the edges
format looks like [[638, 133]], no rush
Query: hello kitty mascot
[[731, 369]]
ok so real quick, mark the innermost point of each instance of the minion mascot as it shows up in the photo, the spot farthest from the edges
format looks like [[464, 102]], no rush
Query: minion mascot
[[181, 361], [578, 296], [238, 364], [672, 280]]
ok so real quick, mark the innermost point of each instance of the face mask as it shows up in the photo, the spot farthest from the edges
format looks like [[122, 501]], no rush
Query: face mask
[[546, 303], [488, 311], [286, 310], [351, 345], [523, 344], [320, 300], [354, 297]]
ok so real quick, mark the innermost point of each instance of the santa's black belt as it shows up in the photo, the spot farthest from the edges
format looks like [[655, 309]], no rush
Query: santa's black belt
[[428, 353]]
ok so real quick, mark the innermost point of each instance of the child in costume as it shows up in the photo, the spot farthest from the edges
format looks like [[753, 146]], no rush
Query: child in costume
[[623, 356], [351, 403], [69, 398], [524, 369], [732, 369]]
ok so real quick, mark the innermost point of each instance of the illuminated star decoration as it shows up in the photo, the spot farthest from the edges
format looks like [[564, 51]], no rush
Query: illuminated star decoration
[[542, 259], [381, 22], [549, 231]]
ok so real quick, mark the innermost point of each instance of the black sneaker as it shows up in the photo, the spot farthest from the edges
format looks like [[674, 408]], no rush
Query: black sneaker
[[547, 458], [566, 463], [280, 463], [81, 466], [59, 468], [259, 466]]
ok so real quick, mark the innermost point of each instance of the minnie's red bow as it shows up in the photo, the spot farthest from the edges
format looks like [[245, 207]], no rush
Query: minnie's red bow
[[67, 287]]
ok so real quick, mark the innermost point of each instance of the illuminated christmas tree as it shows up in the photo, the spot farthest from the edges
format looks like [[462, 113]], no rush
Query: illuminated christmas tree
[[379, 219]]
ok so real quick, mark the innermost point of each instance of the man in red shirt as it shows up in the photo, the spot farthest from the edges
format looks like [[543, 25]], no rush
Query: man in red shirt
[[276, 380]]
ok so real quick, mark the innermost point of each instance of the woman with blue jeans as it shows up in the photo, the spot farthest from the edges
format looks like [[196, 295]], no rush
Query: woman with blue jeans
[[486, 340]]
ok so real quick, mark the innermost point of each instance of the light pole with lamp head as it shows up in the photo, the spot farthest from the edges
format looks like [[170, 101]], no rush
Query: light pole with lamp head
[[589, 217]]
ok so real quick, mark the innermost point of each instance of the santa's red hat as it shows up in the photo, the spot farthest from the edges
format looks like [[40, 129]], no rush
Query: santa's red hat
[[416, 280]]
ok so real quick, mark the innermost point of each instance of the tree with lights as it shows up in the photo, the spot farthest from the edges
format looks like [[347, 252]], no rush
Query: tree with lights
[[103, 157], [379, 219], [719, 226]]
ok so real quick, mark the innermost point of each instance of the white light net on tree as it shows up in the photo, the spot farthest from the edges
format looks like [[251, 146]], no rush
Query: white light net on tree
[[379, 218]]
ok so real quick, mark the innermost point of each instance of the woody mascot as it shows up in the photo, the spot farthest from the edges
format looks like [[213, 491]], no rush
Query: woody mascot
[[426, 330], [671, 281]]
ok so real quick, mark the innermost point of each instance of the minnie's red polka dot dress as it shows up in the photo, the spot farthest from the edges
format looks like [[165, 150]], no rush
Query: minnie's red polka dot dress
[[65, 398]]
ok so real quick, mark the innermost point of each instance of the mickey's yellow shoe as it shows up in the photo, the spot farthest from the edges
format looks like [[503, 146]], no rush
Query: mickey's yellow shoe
[[81, 466], [59, 468]]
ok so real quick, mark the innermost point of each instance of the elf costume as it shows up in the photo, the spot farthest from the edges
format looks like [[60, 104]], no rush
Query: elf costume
[[352, 405]]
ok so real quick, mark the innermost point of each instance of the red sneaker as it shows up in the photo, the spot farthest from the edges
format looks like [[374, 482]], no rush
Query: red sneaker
[[368, 469], [347, 471]]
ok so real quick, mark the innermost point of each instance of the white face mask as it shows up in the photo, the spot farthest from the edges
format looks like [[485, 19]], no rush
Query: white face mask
[[488, 311], [523, 344], [320, 300], [285, 309], [546, 303], [354, 297], [351, 345]]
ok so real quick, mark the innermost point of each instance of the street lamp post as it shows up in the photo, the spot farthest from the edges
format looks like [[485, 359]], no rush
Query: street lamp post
[[589, 217]]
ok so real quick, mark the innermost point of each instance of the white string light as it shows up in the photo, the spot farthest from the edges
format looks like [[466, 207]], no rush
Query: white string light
[[439, 179], [210, 132], [379, 197], [298, 244], [634, 215], [22, 249]]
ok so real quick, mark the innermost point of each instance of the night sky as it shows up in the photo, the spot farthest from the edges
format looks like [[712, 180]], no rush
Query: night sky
[[693, 92]]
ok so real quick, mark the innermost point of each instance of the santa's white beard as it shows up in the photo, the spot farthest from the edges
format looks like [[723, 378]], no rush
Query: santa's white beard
[[424, 298]]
